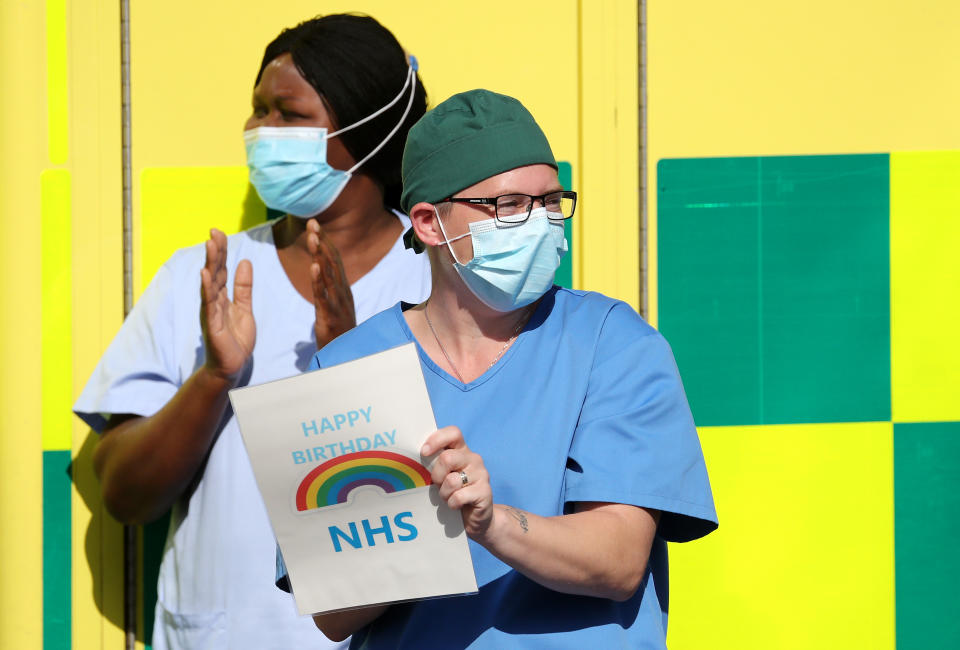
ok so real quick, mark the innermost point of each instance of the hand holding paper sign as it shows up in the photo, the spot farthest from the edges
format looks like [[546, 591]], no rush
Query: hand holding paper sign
[[462, 478], [588, 552], [335, 455]]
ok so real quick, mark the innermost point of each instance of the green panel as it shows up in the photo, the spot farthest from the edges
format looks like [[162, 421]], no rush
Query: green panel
[[927, 491], [774, 286], [707, 252], [564, 275], [826, 288], [56, 551]]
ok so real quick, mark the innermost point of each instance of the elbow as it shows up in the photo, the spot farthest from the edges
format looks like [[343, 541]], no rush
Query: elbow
[[116, 498], [131, 505], [622, 594], [127, 502], [330, 629], [121, 506], [622, 586], [120, 503], [118, 490]]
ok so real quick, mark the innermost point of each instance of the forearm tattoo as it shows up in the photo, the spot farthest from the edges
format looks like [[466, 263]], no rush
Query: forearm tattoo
[[520, 516]]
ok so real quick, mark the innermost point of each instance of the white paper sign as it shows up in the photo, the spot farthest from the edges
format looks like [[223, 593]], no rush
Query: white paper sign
[[336, 457]]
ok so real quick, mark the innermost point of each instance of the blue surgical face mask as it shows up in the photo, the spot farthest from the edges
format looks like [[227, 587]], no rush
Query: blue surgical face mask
[[512, 265], [289, 168]]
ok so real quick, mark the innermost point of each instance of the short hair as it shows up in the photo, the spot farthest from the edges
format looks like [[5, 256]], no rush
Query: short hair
[[356, 66]]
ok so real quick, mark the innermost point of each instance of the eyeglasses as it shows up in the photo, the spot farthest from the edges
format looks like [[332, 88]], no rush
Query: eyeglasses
[[516, 208]]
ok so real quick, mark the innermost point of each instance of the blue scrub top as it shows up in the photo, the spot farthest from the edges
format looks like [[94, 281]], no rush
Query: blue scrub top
[[586, 405]]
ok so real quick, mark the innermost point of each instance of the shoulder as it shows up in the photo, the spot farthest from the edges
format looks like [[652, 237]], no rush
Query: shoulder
[[612, 335], [379, 332], [250, 244], [402, 265], [246, 244], [401, 274], [607, 316], [401, 256]]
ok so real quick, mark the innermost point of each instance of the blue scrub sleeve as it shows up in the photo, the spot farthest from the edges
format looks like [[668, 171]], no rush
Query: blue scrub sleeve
[[138, 372], [282, 579], [635, 441]]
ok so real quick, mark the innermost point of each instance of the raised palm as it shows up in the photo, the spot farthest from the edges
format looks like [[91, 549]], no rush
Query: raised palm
[[229, 330], [332, 297]]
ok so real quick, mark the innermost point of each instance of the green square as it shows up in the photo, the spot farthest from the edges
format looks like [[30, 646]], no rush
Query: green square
[[564, 274], [707, 296], [57, 562], [774, 286], [926, 479]]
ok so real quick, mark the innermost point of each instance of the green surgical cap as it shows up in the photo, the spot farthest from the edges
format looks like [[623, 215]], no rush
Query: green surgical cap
[[466, 139]]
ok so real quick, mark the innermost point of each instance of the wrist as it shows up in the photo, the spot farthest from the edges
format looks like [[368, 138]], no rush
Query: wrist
[[499, 528], [216, 378]]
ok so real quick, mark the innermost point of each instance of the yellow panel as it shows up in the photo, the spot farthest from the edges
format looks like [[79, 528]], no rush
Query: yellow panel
[[180, 205], [191, 102], [607, 231], [56, 354], [925, 285], [750, 77], [804, 555], [22, 157], [57, 101], [97, 310]]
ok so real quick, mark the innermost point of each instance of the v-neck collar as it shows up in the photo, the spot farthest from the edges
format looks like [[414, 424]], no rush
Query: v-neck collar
[[367, 278], [277, 266], [535, 319]]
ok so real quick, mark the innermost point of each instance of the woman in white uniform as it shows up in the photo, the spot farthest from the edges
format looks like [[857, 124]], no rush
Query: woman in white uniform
[[332, 103]]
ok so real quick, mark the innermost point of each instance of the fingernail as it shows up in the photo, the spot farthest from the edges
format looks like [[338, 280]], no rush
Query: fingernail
[[425, 451]]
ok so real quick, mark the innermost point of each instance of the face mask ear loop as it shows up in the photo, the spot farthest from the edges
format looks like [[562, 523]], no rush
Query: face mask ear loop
[[411, 80], [410, 72], [446, 240], [406, 111], [396, 128]]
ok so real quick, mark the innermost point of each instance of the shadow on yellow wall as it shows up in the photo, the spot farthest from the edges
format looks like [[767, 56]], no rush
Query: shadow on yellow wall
[[103, 537]]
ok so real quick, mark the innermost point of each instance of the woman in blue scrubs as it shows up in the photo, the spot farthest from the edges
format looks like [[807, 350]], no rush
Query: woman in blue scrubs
[[566, 441]]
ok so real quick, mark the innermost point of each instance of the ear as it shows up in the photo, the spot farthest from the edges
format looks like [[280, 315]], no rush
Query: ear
[[423, 218]]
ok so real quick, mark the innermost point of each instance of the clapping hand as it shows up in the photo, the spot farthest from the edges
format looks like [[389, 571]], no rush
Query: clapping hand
[[229, 330], [332, 297]]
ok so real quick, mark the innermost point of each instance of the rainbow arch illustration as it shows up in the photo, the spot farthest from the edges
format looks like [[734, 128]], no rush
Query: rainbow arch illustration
[[332, 482]]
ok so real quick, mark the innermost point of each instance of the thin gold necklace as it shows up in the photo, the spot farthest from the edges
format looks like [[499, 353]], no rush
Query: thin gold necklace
[[516, 332]]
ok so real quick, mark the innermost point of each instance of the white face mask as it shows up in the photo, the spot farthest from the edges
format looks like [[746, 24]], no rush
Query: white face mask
[[512, 265]]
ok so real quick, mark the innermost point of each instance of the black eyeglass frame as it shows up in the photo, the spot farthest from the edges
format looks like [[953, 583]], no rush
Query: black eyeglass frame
[[492, 200]]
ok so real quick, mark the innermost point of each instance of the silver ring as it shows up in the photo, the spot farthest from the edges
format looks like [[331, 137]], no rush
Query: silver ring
[[463, 478]]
